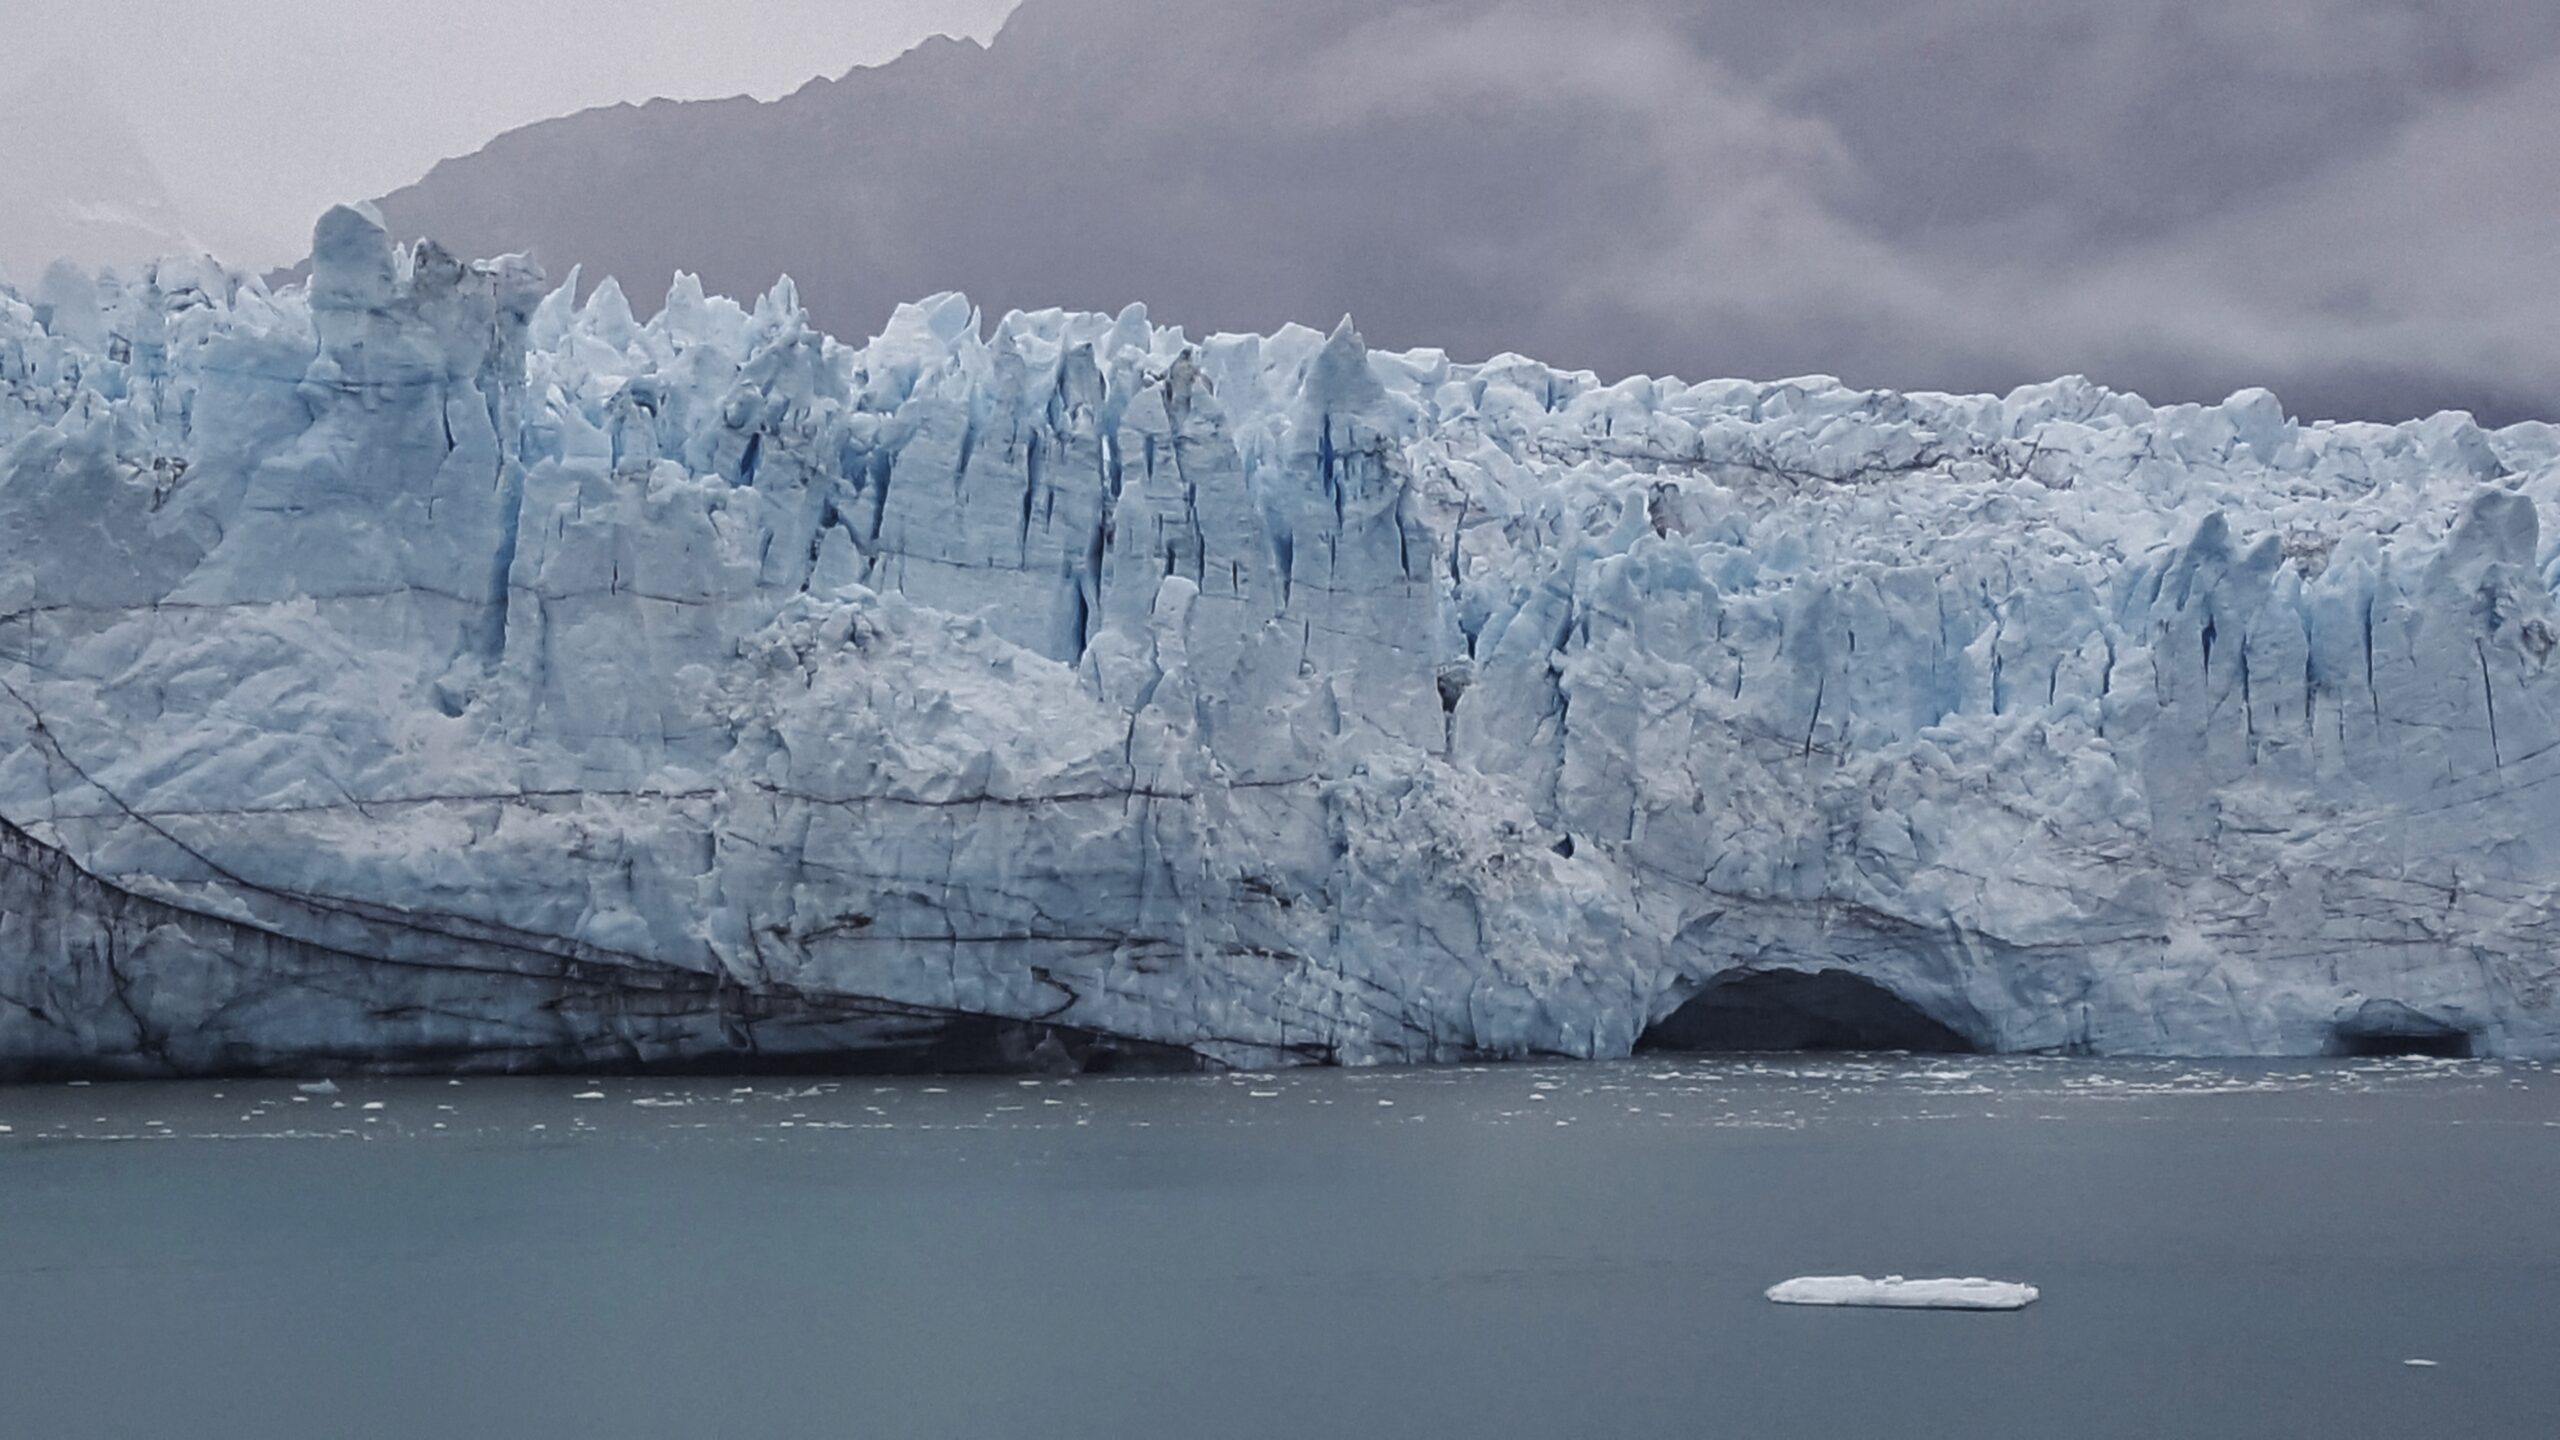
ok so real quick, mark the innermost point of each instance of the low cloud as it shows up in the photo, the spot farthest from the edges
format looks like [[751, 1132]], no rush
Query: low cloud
[[2347, 200]]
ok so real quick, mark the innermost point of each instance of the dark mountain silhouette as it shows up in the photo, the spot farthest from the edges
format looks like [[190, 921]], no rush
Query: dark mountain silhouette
[[2342, 199]]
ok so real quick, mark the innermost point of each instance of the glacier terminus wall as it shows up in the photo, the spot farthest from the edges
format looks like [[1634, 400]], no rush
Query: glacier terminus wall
[[428, 669]]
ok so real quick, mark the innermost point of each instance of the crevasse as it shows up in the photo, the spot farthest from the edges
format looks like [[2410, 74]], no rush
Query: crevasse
[[423, 669]]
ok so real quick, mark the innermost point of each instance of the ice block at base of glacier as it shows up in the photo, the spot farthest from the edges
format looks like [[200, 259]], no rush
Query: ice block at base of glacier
[[1896, 1293]]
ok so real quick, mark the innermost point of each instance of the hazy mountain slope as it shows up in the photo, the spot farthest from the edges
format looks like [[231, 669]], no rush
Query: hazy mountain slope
[[1968, 195], [74, 183]]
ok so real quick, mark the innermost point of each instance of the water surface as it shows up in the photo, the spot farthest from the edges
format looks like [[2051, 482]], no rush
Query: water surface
[[2230, 1251]]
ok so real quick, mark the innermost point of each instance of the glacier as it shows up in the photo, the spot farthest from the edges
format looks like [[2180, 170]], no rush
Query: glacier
[[425, 669]]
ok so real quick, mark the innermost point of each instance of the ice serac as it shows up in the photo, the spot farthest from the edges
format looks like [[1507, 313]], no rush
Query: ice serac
[[422, 670]]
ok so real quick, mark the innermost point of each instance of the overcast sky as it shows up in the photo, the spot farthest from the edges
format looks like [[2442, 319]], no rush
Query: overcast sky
[[258, 114]]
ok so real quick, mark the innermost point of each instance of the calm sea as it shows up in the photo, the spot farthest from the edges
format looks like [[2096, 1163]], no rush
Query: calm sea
[[2225, 1251]]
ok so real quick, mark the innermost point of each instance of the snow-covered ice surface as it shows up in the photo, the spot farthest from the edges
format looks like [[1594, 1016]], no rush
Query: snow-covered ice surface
[[429, 670], [1893, 1292]]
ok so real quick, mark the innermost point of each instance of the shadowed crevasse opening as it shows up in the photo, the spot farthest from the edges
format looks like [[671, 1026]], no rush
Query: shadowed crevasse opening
[[2441, 1047], [1788, 1010], [2387, 1027]]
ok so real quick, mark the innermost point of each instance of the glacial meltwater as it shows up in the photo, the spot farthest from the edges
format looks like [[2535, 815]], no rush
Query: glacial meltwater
[[1571, 1251]]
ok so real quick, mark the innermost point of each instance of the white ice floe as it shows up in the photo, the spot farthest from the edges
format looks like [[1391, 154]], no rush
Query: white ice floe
[[1893, 1292]]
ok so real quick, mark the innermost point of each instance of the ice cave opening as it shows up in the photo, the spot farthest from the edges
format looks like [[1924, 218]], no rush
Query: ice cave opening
[[2388, 1028], [2441, 1047], [1795, 1010]]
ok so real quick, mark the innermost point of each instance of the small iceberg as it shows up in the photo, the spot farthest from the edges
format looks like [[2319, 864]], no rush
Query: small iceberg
[[1893, 1292]]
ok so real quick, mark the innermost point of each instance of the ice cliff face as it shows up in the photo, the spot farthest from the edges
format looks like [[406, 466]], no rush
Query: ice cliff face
[[421, 670]]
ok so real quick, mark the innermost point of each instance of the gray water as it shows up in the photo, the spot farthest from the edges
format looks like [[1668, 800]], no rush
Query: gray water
[[2225, 1251]]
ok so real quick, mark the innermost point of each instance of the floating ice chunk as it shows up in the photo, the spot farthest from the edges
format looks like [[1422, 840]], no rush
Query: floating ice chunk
[[319, 1087], [2419, 1364], [588, 1095], [1893, 1292]]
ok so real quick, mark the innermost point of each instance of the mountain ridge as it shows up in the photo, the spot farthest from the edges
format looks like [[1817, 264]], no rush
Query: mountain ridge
[[1643, 188]]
